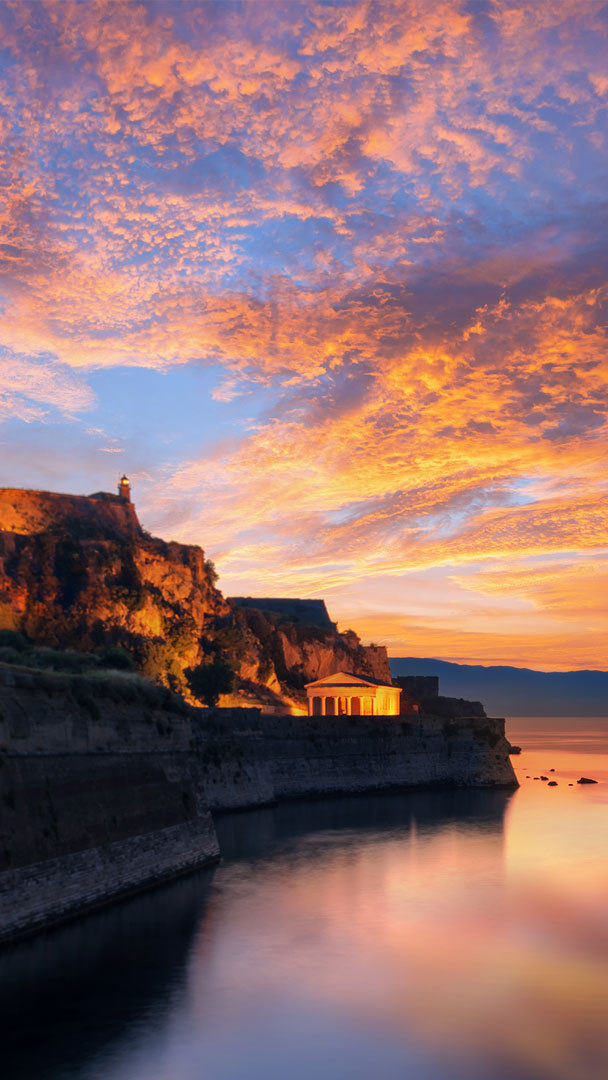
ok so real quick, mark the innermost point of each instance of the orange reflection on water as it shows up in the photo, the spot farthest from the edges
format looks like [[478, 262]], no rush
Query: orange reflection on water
[[427, 935], [488, 948]]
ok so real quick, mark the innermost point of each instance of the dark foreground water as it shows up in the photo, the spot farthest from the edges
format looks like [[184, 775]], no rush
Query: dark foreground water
[[427, 936]]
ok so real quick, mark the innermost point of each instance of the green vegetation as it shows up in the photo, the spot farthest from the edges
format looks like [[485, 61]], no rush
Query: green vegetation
[[16, 649], [208, 681], [212, 574], [13, 639], [265, 669], [116, 658], [230, 640]]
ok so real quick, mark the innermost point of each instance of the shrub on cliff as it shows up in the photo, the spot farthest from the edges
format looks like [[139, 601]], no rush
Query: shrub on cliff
[[116, 658], [208, 681], [230, 640], [66, 660], [13, 639], [9, 655], [210, 570]]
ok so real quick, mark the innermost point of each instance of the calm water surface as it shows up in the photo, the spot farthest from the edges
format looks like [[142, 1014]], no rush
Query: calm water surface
[[431, 935]]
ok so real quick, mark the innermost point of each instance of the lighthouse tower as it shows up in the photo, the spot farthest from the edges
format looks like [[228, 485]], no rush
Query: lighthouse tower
[[124, 489]]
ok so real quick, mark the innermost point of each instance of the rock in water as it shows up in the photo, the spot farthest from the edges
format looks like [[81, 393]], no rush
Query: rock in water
[[586, 780], [552, 783]]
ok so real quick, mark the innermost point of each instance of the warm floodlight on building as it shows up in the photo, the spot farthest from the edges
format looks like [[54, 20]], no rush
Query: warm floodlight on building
[[124, 488]]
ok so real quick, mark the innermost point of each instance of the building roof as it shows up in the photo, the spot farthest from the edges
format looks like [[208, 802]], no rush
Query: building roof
[[346, 678], [309, 612]]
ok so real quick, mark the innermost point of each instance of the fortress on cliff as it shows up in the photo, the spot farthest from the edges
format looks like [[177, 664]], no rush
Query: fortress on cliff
[[27, 512], [79, 572], [108, 780]]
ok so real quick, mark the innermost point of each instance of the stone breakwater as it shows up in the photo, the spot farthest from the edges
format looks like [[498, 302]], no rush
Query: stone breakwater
[[107, 784]]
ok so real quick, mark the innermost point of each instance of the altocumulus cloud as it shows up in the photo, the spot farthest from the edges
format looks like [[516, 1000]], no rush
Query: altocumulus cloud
[[385, 215]]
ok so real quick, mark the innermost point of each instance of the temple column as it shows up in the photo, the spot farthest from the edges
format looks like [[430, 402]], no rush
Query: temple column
[[349, 706], [323, 699]]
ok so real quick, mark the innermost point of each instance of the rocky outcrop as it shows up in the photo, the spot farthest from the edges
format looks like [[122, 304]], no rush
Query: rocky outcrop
[[295, 653], [155, 599], [80, 573]]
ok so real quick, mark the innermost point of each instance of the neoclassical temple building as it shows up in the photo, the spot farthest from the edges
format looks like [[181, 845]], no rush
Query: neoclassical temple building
[[344, 694]]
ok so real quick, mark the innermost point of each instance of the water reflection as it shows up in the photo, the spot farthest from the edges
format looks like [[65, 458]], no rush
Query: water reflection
[[68, 992], [435, 935]]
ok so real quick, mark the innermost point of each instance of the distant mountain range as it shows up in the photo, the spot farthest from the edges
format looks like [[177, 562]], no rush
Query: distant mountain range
[[511, 691]]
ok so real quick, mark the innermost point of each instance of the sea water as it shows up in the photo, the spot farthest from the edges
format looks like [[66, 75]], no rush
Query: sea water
[[431, 935]]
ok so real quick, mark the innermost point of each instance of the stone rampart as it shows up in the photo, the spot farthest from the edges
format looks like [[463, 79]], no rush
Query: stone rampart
[[27, 512], [298, 757], [34, 897], [100, 791], [308, 612], [106, 786], [44, 712]]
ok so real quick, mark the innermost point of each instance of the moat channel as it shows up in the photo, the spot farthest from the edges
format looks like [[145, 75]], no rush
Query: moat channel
[[441, 935]]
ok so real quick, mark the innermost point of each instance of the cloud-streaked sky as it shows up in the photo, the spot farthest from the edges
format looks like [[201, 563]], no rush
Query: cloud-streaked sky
[[328, 280]]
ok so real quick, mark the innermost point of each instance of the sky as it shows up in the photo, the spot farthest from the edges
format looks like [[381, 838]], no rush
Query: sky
[[328, 282]]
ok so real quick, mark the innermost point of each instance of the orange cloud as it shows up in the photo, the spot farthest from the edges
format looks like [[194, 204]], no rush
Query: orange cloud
[[386, 215]]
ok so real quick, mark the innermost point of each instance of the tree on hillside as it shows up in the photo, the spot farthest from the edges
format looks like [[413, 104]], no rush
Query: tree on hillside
[[208, 681]]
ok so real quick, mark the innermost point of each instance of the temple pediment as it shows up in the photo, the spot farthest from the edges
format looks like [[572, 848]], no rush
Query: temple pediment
[[346, 678], [343, 693]]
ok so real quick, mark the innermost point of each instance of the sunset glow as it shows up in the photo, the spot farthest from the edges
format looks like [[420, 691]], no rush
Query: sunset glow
[[328, 281]]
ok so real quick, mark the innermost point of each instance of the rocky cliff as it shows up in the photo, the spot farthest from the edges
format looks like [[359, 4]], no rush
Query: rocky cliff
[[79, 572]]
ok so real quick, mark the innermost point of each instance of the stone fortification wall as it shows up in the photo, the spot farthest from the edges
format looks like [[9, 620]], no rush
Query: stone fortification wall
[[44, 712], [276, 758], [40, 894], [307, 612], [28, 512], [100, 794], [450, 707], [103, 793], [419, 686]]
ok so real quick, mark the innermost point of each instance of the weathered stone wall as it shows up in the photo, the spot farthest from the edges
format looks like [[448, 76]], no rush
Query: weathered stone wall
[[450, 707], [308, 612], [102, 796], [42, 893], [59, 804], [296, 757], [29, 512], [43, 712], [419, 686], [99, 796]]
